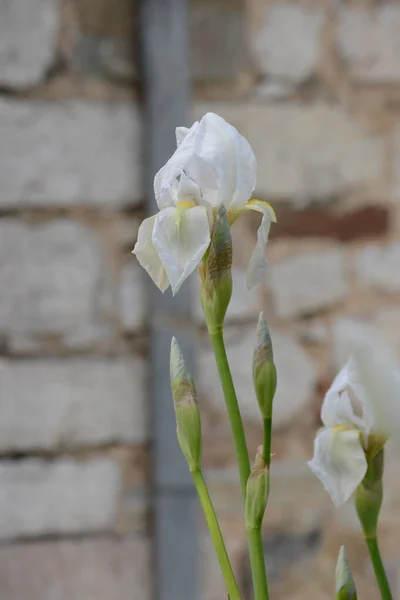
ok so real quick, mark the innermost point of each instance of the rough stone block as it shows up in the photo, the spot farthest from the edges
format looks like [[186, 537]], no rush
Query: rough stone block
[[46, 404], [54, 280], [297, 375], [308, 282], [39, 498], [295, 161], [369, 41], [287, 43], [93, 569], [77, 152], [28, 34], [378, 267]]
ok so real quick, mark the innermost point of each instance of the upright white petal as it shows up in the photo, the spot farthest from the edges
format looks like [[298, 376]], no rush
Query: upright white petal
[[220, 144], [147, 255], [181, 133], [258, 262], [339, 462], [345, 404], [181, 237]]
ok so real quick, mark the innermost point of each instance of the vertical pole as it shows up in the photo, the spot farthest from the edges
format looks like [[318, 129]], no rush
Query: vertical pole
[[164, 53]]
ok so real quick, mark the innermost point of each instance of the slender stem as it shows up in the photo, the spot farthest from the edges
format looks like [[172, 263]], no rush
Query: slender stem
[[216, 536], [232, 406], [258, 564], [267, 441], [253, 535], [379, 569]]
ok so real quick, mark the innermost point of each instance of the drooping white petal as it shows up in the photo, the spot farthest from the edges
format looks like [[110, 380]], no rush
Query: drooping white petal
[[376, 372], [258, 262], [188, 191], [181, 237], [147, 255], [345, 404], [339, 462]]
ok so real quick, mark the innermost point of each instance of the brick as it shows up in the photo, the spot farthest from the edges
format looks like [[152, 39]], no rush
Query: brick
[[54, 280], [295, 162], [368, 40], [132, 297], [297, 376], [300, 27], [308, 282], [94, 569], [378, 267], [62, 497], [77, 152], [45, 404], [361, 222], [28, 35]]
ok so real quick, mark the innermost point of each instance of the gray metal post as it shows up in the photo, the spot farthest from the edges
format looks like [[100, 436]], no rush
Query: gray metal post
[[164, 50]]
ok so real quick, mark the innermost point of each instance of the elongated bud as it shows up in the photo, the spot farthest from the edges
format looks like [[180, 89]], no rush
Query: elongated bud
[[188, 425], [264, 370], [215, 273], [344, 582], [369, 495], [257, 490]]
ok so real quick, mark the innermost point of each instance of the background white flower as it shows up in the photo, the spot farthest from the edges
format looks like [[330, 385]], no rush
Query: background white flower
[[362, 404], [213, 165]]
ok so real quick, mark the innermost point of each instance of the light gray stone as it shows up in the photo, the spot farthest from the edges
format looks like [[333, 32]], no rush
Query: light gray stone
[[369, 41], [216, 57], [46, 403], [244, 305], [308, 282], [287, 44], [297, 375], [62, 497], [378, 267], [295, 161], [54, 280], [387, 320], [28, 35], [77, 152], [133, 297], [95, 569]]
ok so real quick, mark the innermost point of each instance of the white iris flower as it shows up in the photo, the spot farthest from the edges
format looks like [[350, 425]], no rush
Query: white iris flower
[[360, 411], [213, 165]]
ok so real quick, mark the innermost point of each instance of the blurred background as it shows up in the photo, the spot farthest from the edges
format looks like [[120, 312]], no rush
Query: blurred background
[[95, 503]]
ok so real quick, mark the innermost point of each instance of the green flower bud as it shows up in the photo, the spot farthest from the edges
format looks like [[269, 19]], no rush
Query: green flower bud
[[264, 370], [188, 424], [257, 491], [215, 273], [344, 582], [369, 495]]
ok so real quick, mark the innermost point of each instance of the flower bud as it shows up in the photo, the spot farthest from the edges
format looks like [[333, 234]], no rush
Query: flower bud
[[215, 273], [344, 582], [257, 490], [188, 424], [264, 370], [369, 495]]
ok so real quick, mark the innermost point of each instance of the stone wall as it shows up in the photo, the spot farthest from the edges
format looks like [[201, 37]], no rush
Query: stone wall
[[315, 86]]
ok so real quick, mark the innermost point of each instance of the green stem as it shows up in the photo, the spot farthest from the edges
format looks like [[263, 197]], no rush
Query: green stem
[[267, 441], [254, 535], [232, 406], [216, 535], [258, 564], [379, 569]]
